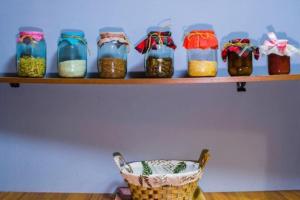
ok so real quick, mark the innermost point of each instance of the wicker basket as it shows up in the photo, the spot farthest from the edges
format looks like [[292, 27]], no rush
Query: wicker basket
[[163, 179]]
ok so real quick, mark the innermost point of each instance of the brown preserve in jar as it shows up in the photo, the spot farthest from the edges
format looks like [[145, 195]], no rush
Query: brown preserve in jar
[[159, 49], [279, 53], [279, 64], [113, 48], [159, 67]]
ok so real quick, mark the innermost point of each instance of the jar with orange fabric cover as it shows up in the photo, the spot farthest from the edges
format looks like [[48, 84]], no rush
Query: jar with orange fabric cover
[[202, 46]]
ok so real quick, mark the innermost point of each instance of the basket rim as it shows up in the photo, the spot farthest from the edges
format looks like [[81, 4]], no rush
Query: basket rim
[[189, 173]]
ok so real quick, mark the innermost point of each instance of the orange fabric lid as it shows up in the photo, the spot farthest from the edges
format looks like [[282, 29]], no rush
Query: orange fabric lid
[[201, 39]]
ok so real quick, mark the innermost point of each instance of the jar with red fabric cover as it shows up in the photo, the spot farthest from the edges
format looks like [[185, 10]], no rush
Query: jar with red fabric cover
[[202, 46], [239, 53], [158, 48]]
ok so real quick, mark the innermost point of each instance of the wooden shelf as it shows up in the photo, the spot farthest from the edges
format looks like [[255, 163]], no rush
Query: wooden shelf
[[138, 80], [278, 195]]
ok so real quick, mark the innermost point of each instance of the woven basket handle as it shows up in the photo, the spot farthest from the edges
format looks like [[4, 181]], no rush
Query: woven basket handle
[[121, 162], [204, 157]]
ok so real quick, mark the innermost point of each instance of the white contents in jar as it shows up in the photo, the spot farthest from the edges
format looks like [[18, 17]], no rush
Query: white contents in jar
[[72, 68]]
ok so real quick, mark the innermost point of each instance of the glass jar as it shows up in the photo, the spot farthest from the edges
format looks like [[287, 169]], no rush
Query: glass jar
[[279, 54], [239, 53], [31, 54], [72, 54], [201, 48], [279, 64], [113, 48], [159, 54]]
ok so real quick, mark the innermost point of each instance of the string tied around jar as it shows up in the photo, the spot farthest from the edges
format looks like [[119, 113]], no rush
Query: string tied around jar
[[200, 39], [119, 37], [203, 35], [154, 39], [242, 47], [278, 46], [74, 38]]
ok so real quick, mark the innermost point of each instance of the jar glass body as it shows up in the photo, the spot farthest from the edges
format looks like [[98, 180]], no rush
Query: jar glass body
[[31, 58], [159, 63], [112, 60], [202, 62], [279, 64], [240, 65], [72, 58]]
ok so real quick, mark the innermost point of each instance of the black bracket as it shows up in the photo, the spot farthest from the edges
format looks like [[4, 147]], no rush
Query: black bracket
[[241, 86], [14, 85]]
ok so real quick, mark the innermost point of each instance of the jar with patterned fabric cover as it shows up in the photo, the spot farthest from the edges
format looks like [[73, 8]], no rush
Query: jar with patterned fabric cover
[[113, 48], [239, 53], [279, 52], [31, 54], [158, 48]]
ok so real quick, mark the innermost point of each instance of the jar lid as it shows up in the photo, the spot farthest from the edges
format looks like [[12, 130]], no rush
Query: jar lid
[[201, 39], [119, 37], [73, 37], [240, 41], [154, 39], [32, 35], [278, 46], [72, 33], [242, 47]]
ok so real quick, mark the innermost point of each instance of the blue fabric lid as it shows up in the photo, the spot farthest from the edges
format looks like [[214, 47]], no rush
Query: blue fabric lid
[[70, 33]]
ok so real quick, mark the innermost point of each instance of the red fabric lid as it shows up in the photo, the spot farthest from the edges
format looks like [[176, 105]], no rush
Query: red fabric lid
[[201, 39]]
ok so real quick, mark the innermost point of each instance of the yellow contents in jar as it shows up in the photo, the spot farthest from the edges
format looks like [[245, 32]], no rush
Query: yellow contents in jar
[[202, 68]]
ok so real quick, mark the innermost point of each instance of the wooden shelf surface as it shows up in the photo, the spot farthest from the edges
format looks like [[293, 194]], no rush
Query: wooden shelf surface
[[277, 195], [93, 80]]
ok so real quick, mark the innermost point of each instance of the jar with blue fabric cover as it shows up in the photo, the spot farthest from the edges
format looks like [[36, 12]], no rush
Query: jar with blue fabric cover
[[72, 54], [31, 54], [113, 48]]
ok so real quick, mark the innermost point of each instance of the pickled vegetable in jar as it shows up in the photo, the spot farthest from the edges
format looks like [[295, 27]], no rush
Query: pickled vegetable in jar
[[239, 53], [113, 48], [72, 54], [201, 48], [279, 54], [31, 54], [158, 48]]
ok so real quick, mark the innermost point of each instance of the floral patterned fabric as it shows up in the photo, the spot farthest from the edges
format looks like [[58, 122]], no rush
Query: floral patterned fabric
[[163, 173]]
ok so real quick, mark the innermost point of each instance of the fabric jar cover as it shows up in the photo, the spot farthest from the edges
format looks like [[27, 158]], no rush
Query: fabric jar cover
[[119, 37], [34, 36], [242, 47], [72, 37], [201, 39], [277, 46], [154, 39]]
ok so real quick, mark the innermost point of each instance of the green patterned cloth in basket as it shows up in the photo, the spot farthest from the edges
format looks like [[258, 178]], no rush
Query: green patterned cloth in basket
[[158, 173]]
